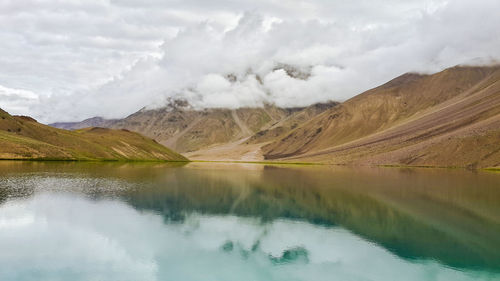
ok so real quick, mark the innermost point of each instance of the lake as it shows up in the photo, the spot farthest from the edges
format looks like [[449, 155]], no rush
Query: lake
[[209, 221]]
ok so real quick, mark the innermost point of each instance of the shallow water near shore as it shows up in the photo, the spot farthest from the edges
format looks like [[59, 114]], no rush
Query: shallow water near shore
[[209, 221]]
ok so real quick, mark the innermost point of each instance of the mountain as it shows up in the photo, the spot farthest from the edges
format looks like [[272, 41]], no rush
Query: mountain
[[211, 134], [451, 118], [190, 130], [91, 122], [24, 138], [249, 148]]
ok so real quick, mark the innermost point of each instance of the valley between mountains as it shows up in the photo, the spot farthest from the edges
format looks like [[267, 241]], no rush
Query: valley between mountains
[[447, 119]]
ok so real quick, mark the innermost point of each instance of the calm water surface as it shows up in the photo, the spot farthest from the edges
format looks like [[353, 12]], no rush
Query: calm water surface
[[105, 221]]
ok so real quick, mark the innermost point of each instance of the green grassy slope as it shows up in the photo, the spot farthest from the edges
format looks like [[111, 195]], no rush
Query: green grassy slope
[[24, 138]]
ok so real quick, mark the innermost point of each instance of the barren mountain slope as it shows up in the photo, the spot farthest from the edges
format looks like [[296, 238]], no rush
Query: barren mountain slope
[[248, 148], [285, 125], [187, 130], [447, 119]]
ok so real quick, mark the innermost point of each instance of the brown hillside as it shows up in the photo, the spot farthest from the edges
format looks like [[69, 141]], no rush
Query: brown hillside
[[24, 138], [289, 123], [189, 130], [447, 119]]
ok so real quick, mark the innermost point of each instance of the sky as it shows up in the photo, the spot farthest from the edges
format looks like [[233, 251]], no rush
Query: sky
[[67, 60]]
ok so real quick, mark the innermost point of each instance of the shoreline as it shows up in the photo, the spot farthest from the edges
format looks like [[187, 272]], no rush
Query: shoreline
[[274, 163], [90, 160]]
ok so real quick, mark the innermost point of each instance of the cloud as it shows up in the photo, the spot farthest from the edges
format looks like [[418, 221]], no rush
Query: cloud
[[17, 101], [97, 55]]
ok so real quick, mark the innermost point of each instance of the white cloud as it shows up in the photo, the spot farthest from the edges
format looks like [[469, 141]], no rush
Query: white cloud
[[17, 101], [83, 58]]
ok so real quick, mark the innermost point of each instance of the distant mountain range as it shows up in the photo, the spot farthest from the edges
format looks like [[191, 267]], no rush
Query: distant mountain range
[[211, 134], [451, 118], [91, 122], [22, 137]]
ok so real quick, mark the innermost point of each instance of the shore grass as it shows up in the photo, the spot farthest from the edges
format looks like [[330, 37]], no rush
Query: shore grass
[[48, 159], [493, 169], [274, 163]]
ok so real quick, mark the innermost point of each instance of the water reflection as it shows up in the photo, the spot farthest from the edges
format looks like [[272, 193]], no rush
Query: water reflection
[[260, 222]]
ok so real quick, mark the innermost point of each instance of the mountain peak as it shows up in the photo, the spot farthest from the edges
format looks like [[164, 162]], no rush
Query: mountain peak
[[302, 73]]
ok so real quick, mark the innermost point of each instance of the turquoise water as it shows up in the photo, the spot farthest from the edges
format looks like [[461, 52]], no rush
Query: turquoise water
[[105, 221]]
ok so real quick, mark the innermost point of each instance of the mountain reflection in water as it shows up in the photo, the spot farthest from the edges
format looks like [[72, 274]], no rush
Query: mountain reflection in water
[[279, 215]]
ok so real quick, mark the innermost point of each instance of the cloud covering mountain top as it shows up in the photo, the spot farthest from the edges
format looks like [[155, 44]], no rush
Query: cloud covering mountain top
[[68, 60]]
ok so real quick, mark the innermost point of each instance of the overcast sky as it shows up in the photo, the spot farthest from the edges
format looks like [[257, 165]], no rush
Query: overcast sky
[[66, 60]]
